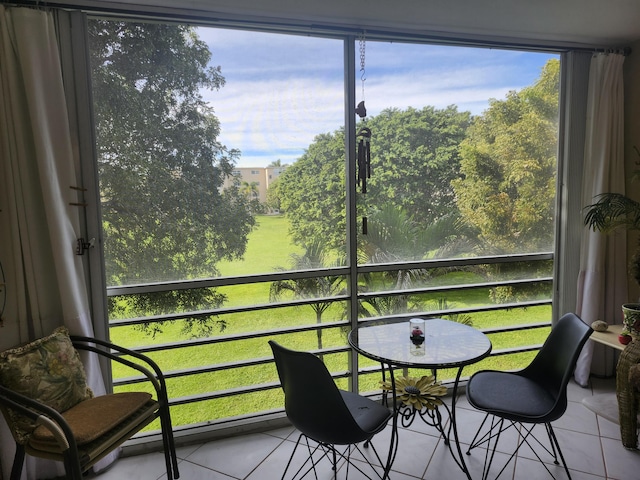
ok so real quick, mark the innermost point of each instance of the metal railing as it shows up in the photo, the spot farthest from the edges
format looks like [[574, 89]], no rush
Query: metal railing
[[344, 324]]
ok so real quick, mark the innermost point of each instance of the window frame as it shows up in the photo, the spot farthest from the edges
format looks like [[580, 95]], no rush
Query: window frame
[[74, 51]]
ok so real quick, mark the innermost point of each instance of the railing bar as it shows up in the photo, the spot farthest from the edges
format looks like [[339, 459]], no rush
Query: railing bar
[[515, 328], [330, 325], [447, 288], [224, 281], [483, 308], [455, 262], [225, 311], [222, 366], [295, 274], [509, 351], [216, 312], [242, 336], [327, 351], [270, 386], [235, 391]]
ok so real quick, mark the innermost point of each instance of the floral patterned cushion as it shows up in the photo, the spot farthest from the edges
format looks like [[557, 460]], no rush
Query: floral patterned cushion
[[48, 370]]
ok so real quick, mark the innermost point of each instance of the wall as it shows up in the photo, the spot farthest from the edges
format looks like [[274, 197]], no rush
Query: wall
[[632, 137]]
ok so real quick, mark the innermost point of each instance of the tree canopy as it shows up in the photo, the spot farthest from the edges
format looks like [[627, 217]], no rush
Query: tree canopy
[[161, 165], [414, 158], [312, 192], [509, 168]]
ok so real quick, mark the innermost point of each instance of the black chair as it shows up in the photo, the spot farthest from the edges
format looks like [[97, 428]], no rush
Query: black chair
[[323, 413], [535, 395]]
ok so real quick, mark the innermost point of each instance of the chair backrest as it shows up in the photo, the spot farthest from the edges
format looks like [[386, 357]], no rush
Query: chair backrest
[[554, 364], [313, 402]]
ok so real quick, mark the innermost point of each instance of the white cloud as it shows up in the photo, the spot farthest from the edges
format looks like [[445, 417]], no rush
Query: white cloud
[[283, 90]]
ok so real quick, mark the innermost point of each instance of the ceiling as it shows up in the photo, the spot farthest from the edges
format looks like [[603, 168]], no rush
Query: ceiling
[[605, 23]]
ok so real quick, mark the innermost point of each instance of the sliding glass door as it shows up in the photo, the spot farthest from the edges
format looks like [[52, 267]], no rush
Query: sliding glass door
[[222, 161]]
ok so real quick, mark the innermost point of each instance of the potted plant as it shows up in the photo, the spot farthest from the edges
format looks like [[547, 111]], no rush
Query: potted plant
[[613, 211], [610, 212]]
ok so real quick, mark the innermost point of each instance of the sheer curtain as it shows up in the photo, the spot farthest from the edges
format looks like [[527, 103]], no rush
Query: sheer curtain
[[602, 280], [45, 278]]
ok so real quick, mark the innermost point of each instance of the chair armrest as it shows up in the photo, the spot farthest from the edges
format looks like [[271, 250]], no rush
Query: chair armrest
[[151, 371], [42, 415]]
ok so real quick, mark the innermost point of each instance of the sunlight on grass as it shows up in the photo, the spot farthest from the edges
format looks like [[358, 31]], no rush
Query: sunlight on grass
[[267, 249]]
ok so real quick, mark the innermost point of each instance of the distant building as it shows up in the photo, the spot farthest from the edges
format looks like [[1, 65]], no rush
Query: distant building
[[261, 177]]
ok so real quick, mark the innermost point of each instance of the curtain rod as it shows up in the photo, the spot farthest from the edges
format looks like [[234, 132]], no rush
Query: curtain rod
[[203, 17], [620, 51]]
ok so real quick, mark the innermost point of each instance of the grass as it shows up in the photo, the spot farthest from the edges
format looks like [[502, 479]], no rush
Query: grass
[[268, 249]]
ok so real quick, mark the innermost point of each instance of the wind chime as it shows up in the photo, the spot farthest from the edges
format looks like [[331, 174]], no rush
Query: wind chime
[[363, 136]]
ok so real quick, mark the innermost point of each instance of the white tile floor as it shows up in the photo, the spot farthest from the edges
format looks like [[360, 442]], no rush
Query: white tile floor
[[591, 446]]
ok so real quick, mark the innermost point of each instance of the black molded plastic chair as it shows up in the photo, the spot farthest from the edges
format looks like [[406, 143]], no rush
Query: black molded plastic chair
[[323, 413], [89, 430], [535, 395]]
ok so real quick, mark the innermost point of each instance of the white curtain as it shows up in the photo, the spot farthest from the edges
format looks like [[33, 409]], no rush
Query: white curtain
[[45, 278], [602, 286]]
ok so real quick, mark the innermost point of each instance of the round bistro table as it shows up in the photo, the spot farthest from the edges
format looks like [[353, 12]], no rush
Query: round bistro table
[[447, 345]]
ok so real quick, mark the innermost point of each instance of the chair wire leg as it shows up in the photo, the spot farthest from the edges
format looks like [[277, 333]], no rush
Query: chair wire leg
[[473, 443], [491, 439], [325, 449], [554, 451], [488, 457], [346, 456], [492, 435], [334, 455], [556, 445]]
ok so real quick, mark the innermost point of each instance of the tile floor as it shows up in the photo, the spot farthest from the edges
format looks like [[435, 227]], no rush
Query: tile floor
[[590, 444]]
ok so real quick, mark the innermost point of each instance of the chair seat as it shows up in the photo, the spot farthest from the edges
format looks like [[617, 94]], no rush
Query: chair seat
[[510, 396], [122, 410], [370, 416]]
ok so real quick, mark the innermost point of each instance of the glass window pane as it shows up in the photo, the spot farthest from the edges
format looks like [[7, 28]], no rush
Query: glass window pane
[[463, 151], [195, 127]]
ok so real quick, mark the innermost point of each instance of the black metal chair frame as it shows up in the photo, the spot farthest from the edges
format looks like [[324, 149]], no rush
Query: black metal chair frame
[[571, 327], [74, 465], [334, 399], [328, 449]]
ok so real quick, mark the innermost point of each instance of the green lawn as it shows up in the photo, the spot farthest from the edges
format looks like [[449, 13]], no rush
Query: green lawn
[[269, 249]]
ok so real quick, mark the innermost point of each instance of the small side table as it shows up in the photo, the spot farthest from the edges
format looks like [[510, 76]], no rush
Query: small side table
[[622, 404], [609, 337], [606, 404]]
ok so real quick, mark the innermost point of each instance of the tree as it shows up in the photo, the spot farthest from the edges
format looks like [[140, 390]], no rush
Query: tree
[[161, 169], [312, 192], [277, 163], [273, 196], [161, 166], [251, 192], [509, 165], [414, 157], [314, 257]]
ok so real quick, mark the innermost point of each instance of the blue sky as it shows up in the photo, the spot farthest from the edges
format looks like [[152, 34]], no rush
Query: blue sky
[[282, 90]]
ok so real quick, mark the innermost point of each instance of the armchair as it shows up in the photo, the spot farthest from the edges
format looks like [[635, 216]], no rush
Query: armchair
[[53, 414]]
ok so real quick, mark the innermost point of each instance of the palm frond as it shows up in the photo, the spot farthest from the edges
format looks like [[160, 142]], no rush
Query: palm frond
[[611, 211]]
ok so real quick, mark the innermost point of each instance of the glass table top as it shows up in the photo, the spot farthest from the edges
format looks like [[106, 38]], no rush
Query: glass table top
[[446, 343]]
